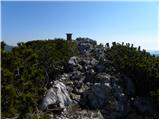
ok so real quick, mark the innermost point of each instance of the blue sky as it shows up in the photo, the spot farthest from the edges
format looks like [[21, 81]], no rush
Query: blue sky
[[133, 22]]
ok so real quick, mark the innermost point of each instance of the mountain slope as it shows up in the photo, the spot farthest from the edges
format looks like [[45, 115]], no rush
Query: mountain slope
[[79, 79]]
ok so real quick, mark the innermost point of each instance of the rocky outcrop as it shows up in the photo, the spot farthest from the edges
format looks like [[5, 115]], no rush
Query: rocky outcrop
[[86, 45], [95, 86]]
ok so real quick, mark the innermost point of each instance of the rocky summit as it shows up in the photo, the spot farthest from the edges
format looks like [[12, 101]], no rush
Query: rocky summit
[[93, 88]]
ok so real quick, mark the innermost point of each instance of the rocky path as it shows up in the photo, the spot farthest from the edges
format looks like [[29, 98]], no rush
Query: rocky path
[[93, 88]]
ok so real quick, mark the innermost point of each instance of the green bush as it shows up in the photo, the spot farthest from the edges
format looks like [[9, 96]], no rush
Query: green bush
[[26, 72], [139, 65]]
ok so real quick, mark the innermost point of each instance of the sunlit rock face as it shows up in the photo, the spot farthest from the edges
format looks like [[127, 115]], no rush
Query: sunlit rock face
[[57, 94]]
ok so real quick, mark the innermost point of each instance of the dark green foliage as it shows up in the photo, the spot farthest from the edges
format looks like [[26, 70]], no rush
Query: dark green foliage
[[2, 45], [27, 71], [107, 45], [142, 67]]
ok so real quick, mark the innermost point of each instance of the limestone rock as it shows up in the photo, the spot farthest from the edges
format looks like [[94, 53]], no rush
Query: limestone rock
[[57, 94]]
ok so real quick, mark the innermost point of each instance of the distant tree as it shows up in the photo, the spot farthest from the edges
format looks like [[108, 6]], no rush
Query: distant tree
[[144, 51], [132, 46], [113, 43], [139, 48], [107, 45], [128, 45]]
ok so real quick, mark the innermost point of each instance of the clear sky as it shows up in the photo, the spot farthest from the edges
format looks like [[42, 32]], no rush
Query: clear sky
[[133, 22]]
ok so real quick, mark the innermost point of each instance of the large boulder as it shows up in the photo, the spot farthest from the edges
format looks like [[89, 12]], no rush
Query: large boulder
[[96, 97], [57, 94]]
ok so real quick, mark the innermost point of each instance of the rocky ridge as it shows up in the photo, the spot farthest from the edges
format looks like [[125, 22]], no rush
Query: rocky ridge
[[93, 88]]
